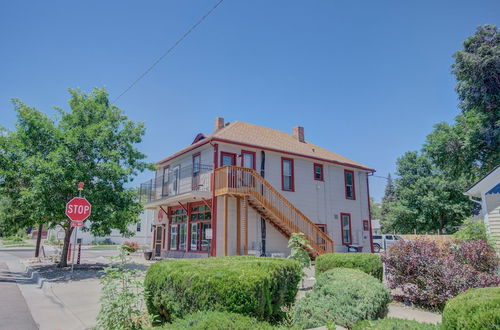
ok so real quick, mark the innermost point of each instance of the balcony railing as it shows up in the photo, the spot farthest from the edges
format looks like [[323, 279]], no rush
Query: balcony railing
[[176, 181]]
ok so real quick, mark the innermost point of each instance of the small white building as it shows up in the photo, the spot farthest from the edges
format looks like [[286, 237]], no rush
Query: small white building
[[487, 193], [244, 189], [142, 232]]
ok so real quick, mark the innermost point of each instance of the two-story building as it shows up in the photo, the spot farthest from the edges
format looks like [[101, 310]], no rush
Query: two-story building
[[244, 189]]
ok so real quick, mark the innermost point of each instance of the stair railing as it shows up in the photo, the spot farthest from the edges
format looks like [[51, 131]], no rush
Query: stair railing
[[235, 180]]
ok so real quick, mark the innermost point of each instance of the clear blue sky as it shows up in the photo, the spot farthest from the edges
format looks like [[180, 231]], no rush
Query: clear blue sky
[[367, 79]]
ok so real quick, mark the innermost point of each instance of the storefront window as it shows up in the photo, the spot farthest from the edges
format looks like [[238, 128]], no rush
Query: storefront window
[[201, 218]]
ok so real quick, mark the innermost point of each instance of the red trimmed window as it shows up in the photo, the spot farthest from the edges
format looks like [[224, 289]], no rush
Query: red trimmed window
[[350, 189], [227, 158], [201, 220], [196, 171], [287, 175], [345, 225], [178, 229], [248, 159], [318, 172]]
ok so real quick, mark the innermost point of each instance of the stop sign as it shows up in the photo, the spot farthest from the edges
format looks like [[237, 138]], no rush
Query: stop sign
[[78, 209]]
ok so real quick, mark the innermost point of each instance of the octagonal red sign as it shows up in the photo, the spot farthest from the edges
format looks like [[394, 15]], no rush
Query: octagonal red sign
[[78, 209]]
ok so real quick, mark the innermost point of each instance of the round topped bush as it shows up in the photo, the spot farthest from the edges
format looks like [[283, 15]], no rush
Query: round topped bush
[[473, 309], [252, 286], [366, 262], [341, 296]]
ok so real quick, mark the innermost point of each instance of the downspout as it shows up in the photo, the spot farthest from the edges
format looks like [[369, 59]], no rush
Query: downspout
[[369, 211], [262, 220]]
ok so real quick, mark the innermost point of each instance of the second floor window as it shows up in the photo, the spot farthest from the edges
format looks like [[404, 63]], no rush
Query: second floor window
[[196, 170], [350, 190], [287, 174], [318, 172]]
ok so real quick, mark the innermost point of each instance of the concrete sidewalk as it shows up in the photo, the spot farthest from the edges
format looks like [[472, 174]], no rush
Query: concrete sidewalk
[[47, 310], [14, 311]]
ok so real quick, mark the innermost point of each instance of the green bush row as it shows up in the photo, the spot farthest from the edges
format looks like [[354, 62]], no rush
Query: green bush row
[[473, 309], [341, 296], [393, 324], [252, 286], [367, 262], [217, 320]]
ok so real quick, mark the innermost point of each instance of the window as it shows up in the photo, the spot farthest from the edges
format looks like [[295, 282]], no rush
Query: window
[[350, 191], [345, 224], [178, 232], [227, 158], [139, 226], [196, 170], [173, 237], [201, 219], [248, 159], [287, 174], [164, 187], [318, 172], [182, 236], [176, 173], [377, 237], [389, 237]]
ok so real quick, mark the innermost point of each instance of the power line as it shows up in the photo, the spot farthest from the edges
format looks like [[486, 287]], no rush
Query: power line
[[170, 49]]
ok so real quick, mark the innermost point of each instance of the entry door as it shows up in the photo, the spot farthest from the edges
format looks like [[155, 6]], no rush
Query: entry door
[[158, 241], [229, 159]]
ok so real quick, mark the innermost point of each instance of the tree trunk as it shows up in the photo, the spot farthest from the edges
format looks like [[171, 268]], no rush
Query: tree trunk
[[38, 240], [67, 237], [441, 225]]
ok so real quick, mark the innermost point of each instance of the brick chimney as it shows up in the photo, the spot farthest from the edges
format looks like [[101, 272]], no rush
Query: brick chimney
[[298, 133], [219, 123]]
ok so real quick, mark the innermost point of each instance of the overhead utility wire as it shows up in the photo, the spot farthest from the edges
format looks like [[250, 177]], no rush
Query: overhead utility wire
[[170, 49]]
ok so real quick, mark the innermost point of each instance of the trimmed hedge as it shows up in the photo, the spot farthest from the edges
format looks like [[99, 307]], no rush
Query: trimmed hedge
[[217, 320], [342, 296], [366, 262], [251, 286], [473, 309], [394, 324]]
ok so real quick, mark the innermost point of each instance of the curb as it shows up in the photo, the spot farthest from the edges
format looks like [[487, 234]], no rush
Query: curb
[[35, 276]]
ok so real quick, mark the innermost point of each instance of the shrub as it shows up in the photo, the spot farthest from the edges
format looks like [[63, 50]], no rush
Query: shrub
[[217, 320], [252, 286], [130, 246], [367, 262], [472, 230], [393, 324], [122, 303], [343, 296], [473, 309], [427, 275]]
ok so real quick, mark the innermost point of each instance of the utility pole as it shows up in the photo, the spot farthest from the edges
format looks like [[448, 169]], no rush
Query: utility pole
[[38, 240]]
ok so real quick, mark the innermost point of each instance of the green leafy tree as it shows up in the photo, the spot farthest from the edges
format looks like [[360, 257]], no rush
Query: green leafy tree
[[376, 209], [472, 230], [387, 200], [46, 157], [470, 147], [426, 200]]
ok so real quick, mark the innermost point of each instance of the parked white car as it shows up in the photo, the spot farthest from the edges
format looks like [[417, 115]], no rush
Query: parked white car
[[384, 241]]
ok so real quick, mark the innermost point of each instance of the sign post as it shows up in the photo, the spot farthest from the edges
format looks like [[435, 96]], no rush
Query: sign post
[[77, 209]]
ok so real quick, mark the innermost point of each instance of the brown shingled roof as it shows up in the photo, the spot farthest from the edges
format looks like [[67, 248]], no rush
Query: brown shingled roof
[[269, 138]]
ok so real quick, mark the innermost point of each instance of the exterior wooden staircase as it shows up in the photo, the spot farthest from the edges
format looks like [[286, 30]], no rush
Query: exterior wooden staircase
[[271, 205]]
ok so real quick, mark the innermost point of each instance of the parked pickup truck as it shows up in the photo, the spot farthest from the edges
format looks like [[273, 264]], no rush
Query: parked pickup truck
[[384, 241]]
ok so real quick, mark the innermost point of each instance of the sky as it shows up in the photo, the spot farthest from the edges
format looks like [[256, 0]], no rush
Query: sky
[[367, 79]]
